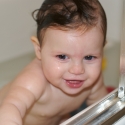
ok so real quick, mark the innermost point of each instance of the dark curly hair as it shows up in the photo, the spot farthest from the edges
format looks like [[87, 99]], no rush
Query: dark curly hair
[[69, 14]]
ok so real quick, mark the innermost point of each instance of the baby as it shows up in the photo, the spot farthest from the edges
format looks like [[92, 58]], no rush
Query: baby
[[66, 72]]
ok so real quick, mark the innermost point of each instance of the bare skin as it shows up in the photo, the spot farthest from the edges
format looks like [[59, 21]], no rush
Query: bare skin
[[35, 98]]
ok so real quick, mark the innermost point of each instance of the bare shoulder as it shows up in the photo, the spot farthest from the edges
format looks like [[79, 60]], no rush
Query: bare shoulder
[[23, 91], [30, 78], [98, 91]]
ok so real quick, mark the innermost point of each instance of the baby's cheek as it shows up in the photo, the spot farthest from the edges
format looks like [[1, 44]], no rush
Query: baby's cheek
[[94, 75]]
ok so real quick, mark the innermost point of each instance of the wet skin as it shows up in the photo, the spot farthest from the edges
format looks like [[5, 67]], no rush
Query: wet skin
[[65, 73]]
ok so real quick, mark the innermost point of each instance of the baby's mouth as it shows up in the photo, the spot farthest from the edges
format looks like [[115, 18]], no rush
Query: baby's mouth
[[74, 83]]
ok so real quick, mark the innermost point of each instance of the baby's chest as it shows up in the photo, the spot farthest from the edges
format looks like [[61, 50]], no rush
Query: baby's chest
[[60, 106]]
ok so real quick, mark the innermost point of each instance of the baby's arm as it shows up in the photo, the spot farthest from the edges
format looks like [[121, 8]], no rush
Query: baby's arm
[[21, 95], [98, 91]]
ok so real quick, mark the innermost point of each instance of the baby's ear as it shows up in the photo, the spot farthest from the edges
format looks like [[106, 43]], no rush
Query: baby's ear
[[36, 46]]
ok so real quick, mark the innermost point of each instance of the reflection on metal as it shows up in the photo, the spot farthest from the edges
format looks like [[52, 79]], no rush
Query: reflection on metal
[[121, 91], [111, 109], [105, 112]]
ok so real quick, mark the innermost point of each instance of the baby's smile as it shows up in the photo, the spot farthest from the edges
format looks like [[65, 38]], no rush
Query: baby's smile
[[74, 83]]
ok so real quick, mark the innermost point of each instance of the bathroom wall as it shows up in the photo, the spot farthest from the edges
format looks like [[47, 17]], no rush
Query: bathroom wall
[[114, 12], [17, 25]]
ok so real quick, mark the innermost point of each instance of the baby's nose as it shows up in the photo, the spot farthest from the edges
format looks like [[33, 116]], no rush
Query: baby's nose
[[76, 69]]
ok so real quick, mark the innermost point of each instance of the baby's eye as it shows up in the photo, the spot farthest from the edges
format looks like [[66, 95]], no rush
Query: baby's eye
[[62, 57], [89, 57]]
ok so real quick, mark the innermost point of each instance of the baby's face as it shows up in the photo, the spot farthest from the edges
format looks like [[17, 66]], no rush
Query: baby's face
[[71, 60]]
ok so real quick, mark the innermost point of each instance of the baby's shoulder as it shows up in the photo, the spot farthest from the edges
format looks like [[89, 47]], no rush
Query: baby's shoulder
[[33, 71], [31, 78]]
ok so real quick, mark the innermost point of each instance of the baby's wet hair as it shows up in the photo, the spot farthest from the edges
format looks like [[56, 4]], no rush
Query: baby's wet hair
[[69, 14]]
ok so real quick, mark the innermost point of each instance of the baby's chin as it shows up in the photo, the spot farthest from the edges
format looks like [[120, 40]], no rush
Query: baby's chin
[[73, 92]]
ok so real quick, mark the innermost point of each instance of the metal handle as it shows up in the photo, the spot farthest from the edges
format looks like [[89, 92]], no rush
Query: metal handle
[[121, 91]]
